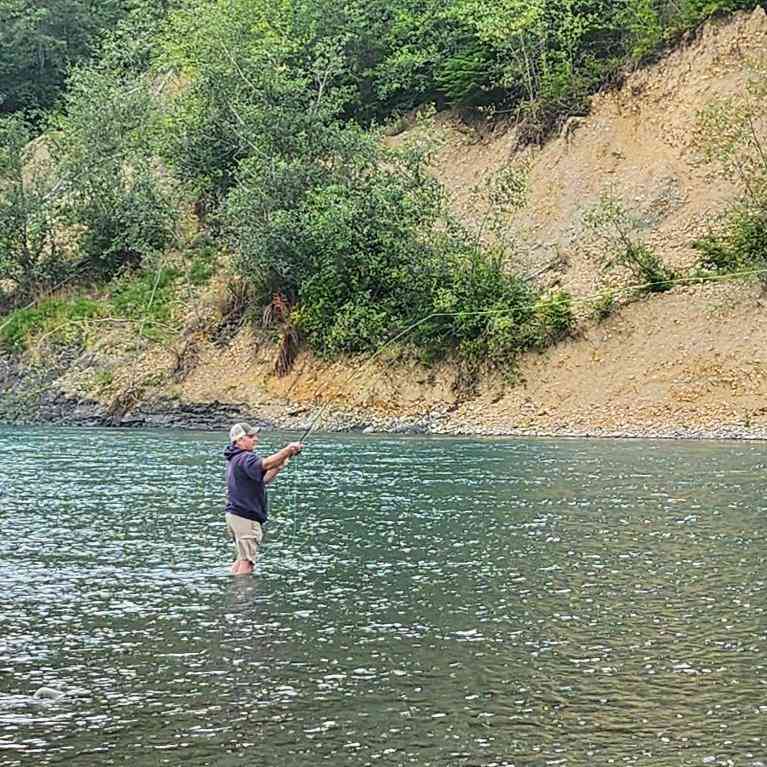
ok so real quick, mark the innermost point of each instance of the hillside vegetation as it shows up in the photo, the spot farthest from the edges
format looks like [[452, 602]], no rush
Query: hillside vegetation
[[219, 164]]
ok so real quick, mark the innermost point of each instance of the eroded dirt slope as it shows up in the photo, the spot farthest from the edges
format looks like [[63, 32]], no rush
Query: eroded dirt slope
[[635, 144]]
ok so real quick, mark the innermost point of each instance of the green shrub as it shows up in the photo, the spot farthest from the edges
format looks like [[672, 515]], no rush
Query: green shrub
[[368, 255], [465, 78], [357, 327], [647, 267], [618, 233], [540, 59], [645, 29], [20, 324], [490, 312], [116, 199], [741, 244], [41, 40], [555, 318], [29, 253], [730, 135]]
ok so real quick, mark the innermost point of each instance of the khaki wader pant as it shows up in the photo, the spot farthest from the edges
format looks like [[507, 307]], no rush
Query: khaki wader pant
[[247, 534]]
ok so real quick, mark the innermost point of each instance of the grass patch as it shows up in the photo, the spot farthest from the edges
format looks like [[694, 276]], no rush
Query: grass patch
[[202, 267], [64, 320], [103, 379], [149, 298]]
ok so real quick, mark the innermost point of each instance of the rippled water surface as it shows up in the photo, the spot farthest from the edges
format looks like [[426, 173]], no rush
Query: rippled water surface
[[418, 601]]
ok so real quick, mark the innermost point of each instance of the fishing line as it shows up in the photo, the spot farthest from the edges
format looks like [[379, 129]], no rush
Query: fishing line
[[296, 510], [290, 518]]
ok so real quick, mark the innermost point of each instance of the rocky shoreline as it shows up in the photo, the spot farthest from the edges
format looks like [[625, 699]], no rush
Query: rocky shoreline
[[31, 395], [55, 408]]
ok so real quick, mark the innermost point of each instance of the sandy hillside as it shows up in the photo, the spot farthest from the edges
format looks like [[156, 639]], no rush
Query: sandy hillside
[[636, 144], [693, 359]]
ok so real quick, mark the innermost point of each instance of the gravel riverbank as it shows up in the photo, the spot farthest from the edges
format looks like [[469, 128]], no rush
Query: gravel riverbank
[[33, 404], [31, 395]]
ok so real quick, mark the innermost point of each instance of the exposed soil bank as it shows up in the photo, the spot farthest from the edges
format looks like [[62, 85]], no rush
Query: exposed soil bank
[[58, 409], [697, 369]]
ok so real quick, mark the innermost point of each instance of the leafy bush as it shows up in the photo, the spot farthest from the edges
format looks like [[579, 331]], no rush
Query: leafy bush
[[466, 78], [644, 27], [487, 314], [349, 252], [366, 254], [730, 136], [113, 195], [28, 218], [647, 265], [741, 244], [555, 318], [39, 42], [250, 97]]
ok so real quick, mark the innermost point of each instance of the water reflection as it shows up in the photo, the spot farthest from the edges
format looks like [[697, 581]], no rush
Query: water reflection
[[420, 601]]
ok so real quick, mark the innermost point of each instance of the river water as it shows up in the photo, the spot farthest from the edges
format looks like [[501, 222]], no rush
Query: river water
[[418, 602]]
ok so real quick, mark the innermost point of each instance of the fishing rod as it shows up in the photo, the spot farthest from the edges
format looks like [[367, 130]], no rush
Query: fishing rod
[[591, 298], [313, 422]]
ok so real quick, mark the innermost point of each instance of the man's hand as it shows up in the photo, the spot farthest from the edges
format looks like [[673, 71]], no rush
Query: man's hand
[[296, 447]]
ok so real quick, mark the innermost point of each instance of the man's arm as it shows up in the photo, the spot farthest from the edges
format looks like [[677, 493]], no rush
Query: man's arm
[[272, 473], [276, 460]]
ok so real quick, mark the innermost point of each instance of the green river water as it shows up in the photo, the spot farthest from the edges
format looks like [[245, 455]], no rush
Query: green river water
[[419, 601]]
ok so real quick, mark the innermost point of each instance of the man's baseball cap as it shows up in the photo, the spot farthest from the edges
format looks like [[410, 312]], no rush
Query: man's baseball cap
[[240, 430]]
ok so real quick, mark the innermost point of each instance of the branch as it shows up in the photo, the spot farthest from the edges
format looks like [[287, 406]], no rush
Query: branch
[[757, 141]]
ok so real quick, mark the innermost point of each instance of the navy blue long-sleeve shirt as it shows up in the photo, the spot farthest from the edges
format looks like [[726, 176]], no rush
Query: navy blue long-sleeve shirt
[[246, 492]]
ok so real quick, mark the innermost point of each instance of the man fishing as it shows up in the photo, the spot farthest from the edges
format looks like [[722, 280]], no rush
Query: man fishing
[[247, 475]]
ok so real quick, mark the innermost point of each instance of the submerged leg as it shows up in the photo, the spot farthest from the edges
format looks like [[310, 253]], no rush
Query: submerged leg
[[242, 567]]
